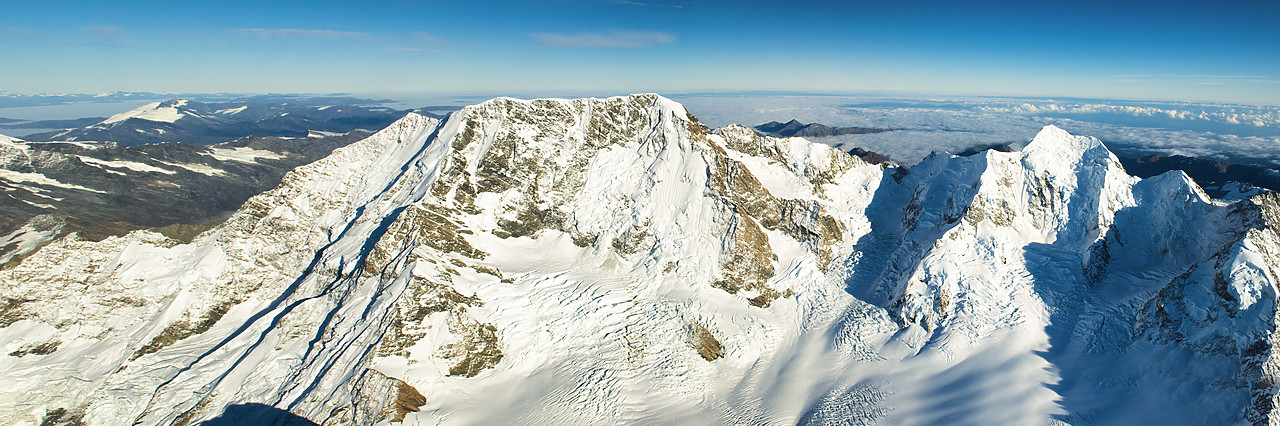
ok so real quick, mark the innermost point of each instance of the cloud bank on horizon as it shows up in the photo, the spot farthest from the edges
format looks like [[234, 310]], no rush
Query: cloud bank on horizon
[[1231, 132], [611, 39]]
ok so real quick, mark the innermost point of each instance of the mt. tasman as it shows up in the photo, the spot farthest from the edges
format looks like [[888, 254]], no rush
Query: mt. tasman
[[614, 260]]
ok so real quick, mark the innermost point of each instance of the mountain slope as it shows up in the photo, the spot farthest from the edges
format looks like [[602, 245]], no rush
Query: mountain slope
[[104, 189], [607, 260]]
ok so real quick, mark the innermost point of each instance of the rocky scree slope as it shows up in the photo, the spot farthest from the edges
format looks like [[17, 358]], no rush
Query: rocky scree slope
[[605, 260]]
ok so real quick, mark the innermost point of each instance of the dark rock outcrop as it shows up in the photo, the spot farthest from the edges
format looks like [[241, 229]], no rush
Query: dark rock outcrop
[[811, 130]]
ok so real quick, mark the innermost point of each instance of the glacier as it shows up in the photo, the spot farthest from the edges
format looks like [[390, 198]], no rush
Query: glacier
[[615, 260]]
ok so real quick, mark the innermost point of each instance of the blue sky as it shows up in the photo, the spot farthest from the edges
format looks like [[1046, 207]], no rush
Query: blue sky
[[1217, 51]]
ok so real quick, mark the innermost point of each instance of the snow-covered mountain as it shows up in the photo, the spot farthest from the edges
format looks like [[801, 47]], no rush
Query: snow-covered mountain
[[200, 123], [614, 260]]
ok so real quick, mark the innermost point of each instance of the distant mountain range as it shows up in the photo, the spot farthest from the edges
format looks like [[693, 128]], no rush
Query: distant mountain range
[[1211, 174], [9, 123], [811, 130], [13, 100], [200, 123]]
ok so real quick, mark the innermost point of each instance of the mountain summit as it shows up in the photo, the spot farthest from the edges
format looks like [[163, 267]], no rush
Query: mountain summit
[[614, 260]]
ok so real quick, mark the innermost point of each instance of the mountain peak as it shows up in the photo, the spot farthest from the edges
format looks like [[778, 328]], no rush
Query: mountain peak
[[1054, 138], [1054, 148]]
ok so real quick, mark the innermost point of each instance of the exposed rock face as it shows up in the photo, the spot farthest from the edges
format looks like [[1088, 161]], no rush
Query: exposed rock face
[[614, 260], [869, 156]]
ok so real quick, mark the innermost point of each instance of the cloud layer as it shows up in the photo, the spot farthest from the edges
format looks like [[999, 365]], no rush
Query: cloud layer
[[1240, 133], [610, 39], [293, 32], [104, 31]]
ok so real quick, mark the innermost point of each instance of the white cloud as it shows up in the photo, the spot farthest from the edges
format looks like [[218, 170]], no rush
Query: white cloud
[[412, 50], [425, 38], [1256, 116], [104, 31], [19, 33], [611, 39], [1170, 76], [293, 32], [416, 42], [674, 5]]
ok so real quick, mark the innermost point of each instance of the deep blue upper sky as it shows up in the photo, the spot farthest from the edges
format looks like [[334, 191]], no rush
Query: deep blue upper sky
[[1221, 51]]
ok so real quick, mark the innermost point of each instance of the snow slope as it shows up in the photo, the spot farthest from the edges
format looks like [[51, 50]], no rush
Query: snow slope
[[166, 112], [614, 260]]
